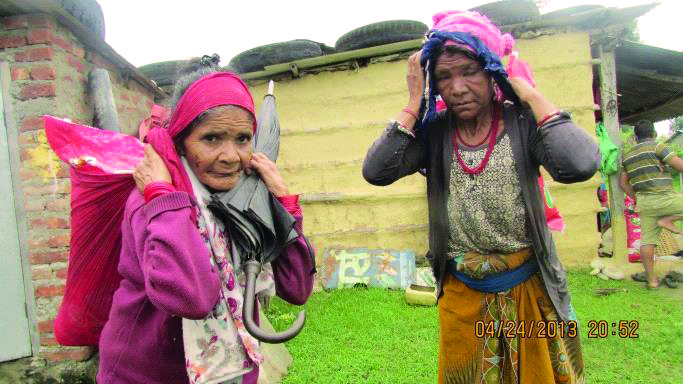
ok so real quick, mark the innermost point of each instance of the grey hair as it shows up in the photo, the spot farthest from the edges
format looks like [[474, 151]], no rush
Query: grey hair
[[194, 70], [188, 78]]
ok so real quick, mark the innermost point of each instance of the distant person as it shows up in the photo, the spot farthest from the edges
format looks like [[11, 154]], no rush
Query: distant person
[[490, 248], [177, 315], [645, 178]]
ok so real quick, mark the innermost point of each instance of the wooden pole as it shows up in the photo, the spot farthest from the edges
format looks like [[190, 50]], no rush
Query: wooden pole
[[610, 117]]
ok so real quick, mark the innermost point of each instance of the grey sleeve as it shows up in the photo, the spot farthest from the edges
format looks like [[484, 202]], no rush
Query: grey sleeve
[[565, 150], [393, 155]]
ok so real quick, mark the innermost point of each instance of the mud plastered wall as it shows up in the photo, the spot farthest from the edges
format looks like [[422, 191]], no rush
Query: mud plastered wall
[[330, 119]]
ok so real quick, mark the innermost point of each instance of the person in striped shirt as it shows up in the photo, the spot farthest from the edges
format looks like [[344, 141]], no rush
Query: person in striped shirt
[[646, 178]]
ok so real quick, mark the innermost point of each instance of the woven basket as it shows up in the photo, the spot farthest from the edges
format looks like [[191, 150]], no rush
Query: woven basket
[[668, 245]]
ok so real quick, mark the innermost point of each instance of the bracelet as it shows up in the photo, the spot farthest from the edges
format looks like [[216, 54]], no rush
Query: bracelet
[[410, 112], [156, 189], [549, 117]]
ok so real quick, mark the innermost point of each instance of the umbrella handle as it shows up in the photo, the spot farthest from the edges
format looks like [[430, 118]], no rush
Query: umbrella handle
[[252, 269]]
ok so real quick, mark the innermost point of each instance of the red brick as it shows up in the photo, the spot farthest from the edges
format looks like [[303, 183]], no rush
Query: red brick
[[50, 223], [32, 91], [26, 156], [79, 354], [35, 54], [76, 63], [64, 172], [64, 44], [20, 73], [38, 36], [46, 326], [12, 41], [48, 257], [47, 340], [77, 51], [43, 72], [61, 273], [27, 138], [37, 243], [34, 205], [49, 290], [59, 205], [31, 124], [15, 22], [27, 173], [38, 21], [41, 274], [57, 241]]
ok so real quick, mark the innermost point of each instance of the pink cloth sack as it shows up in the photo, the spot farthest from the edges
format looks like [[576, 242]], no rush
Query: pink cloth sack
[[101, 166]]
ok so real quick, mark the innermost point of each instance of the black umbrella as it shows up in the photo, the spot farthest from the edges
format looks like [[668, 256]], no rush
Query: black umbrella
[[257, 223]]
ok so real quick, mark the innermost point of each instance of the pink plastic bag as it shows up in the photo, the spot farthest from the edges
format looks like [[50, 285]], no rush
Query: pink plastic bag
[[552, 214], [632, 229], [519, 68]]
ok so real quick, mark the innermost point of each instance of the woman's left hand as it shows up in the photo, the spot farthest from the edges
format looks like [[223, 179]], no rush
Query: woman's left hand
[[269, 174]]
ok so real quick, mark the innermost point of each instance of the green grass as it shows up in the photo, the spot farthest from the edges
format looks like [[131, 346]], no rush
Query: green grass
[[371, 335]]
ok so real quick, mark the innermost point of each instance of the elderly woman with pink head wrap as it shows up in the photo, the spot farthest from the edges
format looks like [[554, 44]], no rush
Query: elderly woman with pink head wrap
[[177, 314], [479, 132]]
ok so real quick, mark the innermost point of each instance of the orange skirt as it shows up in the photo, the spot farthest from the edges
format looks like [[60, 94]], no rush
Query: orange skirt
[[508, 337]]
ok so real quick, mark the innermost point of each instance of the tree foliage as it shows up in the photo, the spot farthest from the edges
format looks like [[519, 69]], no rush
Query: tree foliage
[[632, 33]]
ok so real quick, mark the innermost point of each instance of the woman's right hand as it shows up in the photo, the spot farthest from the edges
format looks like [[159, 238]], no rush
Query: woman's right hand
[[416, 81], [152, 168]]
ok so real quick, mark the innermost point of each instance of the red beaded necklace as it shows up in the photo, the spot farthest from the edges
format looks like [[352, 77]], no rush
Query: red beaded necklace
[[493, 133]]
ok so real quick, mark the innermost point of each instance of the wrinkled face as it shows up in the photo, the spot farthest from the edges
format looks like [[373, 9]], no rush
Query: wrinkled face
[[462, 83], [218, 149]]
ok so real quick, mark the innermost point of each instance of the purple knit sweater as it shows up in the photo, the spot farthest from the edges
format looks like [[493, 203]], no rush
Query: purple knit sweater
[[167, 275]]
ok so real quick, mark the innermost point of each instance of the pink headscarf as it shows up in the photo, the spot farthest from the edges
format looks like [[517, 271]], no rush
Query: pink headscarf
[[479, 26], [212, 90]]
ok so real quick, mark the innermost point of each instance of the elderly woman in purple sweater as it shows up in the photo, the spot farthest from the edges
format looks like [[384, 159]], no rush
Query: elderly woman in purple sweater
[[176, 317]]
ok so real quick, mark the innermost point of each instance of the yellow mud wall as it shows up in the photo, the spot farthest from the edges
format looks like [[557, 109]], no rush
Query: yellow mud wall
[[562, 68], [330, 119]]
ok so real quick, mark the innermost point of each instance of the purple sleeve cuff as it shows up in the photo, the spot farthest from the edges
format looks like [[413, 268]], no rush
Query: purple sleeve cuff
[[291, 204]]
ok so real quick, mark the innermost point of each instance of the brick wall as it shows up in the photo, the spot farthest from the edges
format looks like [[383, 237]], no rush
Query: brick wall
[[49, 72]]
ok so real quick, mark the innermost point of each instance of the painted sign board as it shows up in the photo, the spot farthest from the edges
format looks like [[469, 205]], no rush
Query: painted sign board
[[346, 267]]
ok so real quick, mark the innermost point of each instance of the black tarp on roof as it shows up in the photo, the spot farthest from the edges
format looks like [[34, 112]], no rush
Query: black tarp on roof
[[649, 82]]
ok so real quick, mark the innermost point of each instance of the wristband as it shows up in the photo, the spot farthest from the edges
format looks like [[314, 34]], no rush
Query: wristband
[[548, 117], [156, 189], [410, 112]]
